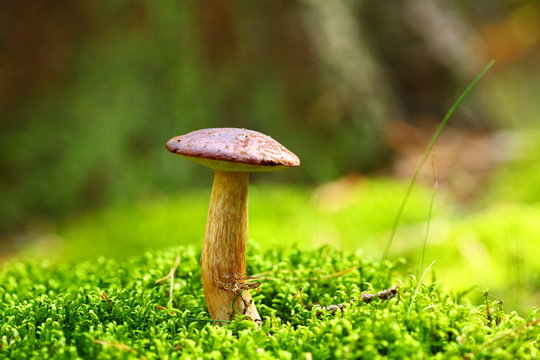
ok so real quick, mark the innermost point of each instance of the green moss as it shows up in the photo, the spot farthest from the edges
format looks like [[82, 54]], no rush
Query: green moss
[[298, 214], [113, 309], [493, 247]]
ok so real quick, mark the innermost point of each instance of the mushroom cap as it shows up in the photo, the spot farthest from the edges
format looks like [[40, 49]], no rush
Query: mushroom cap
[[232, 149]]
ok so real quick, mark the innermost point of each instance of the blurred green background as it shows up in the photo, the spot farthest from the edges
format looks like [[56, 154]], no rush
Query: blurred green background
[[91, 91]]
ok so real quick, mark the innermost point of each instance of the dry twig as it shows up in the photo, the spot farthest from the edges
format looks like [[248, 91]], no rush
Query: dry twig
[[386, 294], [170, 276], [164, 309], [383, 295], [105, 297]]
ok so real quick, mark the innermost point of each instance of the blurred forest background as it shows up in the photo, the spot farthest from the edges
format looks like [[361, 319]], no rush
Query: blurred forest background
[[91, 91]]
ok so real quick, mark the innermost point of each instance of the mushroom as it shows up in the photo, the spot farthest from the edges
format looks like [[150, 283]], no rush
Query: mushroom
[[233, 154]]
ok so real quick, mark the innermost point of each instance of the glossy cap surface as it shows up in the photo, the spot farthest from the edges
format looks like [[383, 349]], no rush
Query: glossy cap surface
[[232, 149]]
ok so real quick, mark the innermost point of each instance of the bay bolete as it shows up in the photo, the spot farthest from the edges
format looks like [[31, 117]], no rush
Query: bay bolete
[[232, 153]]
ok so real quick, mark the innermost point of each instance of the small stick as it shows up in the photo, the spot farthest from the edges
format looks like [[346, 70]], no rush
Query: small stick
[[164, 309], [104, 297], [171, 272], [386, 294], [330, 308], [170, 276], [383, 295]]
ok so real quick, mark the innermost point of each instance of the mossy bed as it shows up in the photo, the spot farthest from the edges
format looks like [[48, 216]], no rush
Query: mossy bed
[[115, 309]]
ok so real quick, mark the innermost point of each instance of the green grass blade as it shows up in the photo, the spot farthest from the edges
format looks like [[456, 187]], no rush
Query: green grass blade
[[413, 298], [430, 213], [433, 141]]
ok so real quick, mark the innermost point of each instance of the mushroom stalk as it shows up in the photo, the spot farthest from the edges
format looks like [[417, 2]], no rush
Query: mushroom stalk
[[223, 259]]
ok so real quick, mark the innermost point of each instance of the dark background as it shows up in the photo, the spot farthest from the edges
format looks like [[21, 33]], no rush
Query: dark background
[[91, 91]]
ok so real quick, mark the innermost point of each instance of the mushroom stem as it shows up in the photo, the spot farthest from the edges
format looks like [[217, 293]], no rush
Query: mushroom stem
[[223, 259]]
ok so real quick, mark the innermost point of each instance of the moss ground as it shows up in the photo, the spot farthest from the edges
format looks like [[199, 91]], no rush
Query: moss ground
[[494, 246], [114, 309]]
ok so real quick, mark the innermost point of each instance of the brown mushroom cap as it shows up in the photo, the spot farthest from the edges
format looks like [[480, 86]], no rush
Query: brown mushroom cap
[[232, 149]]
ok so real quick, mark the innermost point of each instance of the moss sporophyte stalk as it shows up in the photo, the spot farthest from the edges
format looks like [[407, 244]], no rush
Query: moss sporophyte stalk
[[232, 153]]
